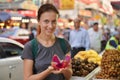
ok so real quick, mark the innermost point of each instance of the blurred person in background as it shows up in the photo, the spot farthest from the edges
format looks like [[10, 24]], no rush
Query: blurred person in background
[[67, 29], [60, 33], [106, 34], [118, 29], [23, 26], [33, 33], [79, 38], [66, 33], [32, 29], [113, 42], [95, 37]]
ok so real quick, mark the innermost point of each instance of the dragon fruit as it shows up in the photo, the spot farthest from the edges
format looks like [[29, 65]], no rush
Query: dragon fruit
[[67, 58], [66, 61], [57, 63], [56, 59]]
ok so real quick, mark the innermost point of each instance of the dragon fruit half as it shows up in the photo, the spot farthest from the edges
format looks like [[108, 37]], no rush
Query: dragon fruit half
[[57, 63]]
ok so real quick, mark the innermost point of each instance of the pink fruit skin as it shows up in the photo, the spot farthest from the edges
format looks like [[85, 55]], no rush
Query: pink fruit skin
[[66, 61], [57, 64], [56, 59], [67, 58]]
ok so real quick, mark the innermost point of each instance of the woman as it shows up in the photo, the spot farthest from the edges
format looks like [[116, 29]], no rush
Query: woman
[[48, 45]]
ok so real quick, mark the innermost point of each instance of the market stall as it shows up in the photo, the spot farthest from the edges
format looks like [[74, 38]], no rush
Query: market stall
[[108, 69], [84, 64]]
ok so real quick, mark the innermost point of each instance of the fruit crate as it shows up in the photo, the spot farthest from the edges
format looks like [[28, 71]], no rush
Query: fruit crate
[[77, 78], [96, 71], [88, 77], [92, 74], [103, 79]]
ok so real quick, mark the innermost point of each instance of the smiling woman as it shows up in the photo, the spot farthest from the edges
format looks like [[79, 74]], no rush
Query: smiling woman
[[39, 67]]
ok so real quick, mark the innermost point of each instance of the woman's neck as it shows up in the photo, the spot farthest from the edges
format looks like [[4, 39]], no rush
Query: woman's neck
[[45, 37], [46, 41]]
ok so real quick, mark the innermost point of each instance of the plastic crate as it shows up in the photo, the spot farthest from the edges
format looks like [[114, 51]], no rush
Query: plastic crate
[[77, 78], [88, 77], [103, 79]]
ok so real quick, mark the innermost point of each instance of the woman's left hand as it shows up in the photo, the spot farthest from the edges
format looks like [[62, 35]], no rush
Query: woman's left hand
[[62, 70]]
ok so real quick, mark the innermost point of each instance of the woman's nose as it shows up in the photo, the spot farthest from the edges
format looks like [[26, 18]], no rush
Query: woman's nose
[[50, 25]]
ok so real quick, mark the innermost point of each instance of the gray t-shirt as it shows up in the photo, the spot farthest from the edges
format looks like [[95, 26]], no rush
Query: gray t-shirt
[[44, 57]]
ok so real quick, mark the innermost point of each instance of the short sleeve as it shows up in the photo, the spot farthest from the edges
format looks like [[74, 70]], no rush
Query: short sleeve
[[68, 47], [27, 51]]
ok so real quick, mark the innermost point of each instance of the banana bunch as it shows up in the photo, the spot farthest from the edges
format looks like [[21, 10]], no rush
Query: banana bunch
[[90, 55], [118, 47]]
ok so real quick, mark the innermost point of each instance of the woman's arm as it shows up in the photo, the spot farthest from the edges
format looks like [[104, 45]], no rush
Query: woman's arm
[[28, 71], [67, 72]]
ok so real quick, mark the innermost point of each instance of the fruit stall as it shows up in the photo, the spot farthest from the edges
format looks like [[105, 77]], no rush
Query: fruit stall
[[89, 65], [84, 64], [110, 65]]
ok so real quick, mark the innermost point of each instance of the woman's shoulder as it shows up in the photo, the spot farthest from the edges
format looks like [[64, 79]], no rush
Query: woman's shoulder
[[61, 39], [28, 43], [64, 44]]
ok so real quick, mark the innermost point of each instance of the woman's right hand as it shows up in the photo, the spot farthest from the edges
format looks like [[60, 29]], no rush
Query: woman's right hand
[[54, 71], [50, 68]]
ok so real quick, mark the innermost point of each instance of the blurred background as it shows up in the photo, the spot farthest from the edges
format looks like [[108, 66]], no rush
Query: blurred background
[[25, 11], [21, 14]]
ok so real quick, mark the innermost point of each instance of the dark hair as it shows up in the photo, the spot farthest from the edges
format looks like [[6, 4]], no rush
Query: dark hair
[[96, 23], [46, 8]]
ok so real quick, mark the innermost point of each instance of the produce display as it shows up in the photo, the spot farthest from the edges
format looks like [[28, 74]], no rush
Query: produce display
[[84, 62], [82, 67], [90, 55], [118, 47], [110, 65]]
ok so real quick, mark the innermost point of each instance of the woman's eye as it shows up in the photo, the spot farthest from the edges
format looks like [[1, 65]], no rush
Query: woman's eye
[[54, 22], [46, 21]]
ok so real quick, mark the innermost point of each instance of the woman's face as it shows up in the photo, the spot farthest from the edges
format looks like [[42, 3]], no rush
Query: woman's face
[[47, 22]]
